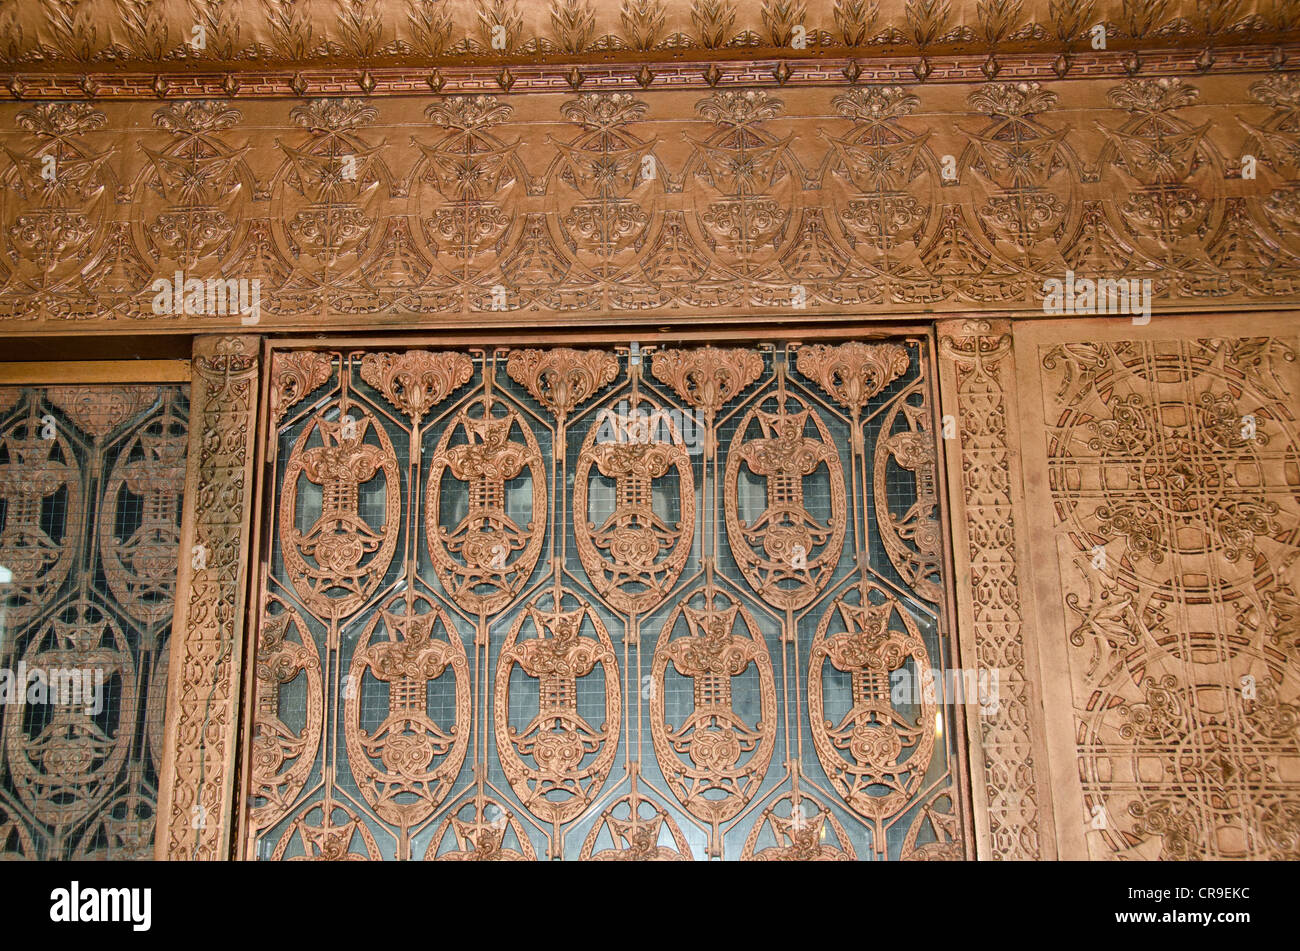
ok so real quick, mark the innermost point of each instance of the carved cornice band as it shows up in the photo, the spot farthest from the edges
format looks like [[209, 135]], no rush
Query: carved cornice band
[[202, 82]]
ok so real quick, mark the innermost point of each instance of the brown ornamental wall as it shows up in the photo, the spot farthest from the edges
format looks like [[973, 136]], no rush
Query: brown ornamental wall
[[647, 207], [1122, 555]]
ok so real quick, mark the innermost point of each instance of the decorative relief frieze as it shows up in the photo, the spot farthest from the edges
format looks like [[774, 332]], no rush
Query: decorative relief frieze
[[647, 207], [234, 35]]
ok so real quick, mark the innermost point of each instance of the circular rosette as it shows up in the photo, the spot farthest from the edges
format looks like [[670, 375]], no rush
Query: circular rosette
[[634, 506], [485, 506], [480, 830], [71, 728], [797, 828], [635, 829], [140, 522], [342, 481], [558, 758], [713, 755], [785, 501], [403, 759], [326, 832], [874, 735], [40, 484], [289, 691]]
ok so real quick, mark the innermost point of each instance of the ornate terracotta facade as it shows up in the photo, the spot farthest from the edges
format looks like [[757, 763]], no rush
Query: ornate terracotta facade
[[683, 379]]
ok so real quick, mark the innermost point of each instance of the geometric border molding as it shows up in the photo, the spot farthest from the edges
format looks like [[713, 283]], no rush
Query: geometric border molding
[[1011, 797], [197, 780]]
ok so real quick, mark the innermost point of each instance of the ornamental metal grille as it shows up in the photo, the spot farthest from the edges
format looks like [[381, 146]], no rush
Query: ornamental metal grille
[[600, 604], [91, 480]]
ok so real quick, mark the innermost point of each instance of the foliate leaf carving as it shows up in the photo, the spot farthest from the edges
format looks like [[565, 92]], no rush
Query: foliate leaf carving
[[100, 409], [852, 373], [707, 377], [562, 379], [417, 380], [295, 374]]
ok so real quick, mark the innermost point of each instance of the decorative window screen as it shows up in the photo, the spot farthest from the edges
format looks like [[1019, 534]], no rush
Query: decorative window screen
[[603, 605], [91, 479]]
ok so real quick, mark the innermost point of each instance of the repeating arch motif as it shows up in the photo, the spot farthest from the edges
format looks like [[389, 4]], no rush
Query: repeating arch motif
[[889, 195]]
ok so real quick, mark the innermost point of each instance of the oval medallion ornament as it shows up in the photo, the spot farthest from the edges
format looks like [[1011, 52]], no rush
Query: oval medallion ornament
[[558, 758], [40, 484], [403, 759], [714, 756], [875, 747], [70, 731], [485, 540], [635, 548], [786, 552], [282, 757], [140, 529], [337, 563]]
